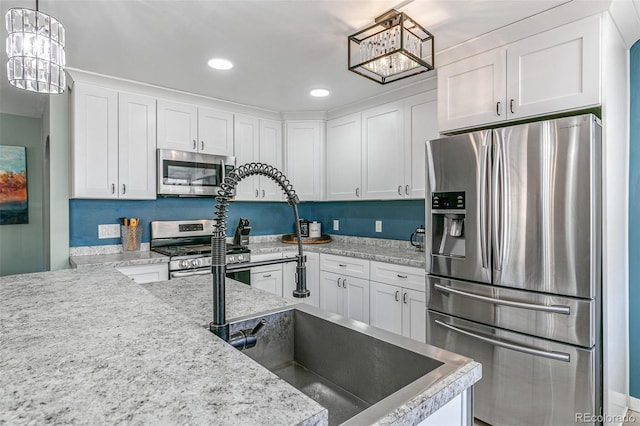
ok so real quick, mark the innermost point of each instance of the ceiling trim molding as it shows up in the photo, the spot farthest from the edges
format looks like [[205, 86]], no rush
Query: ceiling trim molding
[[626, 17]]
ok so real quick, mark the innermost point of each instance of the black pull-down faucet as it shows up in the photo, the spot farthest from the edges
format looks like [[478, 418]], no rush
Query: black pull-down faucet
[[219, 326]]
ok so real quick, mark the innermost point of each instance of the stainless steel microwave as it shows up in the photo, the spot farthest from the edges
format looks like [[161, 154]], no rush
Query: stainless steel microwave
[[191, 174]]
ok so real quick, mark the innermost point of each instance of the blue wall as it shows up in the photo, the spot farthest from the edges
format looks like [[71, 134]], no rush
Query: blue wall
[[399, 218], [634, 226]]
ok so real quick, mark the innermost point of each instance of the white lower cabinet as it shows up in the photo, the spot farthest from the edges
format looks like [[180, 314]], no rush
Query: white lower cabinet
[[268, 278], [345, 295], [146, 273], [397, 300], [313, 278]]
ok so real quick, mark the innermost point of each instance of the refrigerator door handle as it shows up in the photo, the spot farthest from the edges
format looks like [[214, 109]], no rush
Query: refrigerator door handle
[[484, 176], [554, 309], [557, 356], [496, 192]]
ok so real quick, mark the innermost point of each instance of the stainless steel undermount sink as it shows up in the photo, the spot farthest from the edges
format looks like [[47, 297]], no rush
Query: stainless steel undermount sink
[[358, 372]]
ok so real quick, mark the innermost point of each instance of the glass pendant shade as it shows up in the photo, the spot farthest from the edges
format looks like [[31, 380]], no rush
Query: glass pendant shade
[[35, 47], [395, 47]]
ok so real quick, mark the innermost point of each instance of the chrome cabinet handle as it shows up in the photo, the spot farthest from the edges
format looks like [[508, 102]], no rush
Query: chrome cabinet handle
[[124, 189], [511, 106], [554, 309], [558, 356], [113, 188], [406, 190], [404, 297], [344, 283], [263, 193], [201, 145], [397, 296], [498, 109], [257, 195], [402, 276], [399, 189], [339, 282], [195, 144], [357, 192]]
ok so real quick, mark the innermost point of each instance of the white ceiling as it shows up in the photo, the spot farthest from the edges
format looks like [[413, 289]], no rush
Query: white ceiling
[[281, 49]]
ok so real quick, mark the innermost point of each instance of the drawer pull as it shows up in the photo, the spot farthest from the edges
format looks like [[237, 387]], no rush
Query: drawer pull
[[554, 309], [558, 356], [342, 265], [402, 276], [266, 275]]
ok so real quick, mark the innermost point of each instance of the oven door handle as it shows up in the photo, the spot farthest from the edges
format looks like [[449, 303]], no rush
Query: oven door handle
[[182, 274], [557, 356]]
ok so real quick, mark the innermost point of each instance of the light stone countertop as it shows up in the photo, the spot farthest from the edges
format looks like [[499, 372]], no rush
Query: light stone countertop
[[89, 346]]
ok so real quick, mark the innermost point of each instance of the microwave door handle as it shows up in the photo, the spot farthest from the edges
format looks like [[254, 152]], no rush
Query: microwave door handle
[[554, 309], [557, 356]]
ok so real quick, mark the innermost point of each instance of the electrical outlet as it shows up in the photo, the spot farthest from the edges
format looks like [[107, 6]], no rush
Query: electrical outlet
[[336, 225], [108, 231], [378, 226]]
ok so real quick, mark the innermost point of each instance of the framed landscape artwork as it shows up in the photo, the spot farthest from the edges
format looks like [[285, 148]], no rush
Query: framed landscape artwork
[[13, 185]]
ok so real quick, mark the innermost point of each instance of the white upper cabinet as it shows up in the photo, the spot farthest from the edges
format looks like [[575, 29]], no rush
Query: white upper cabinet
[[344, 158], [421, 125], [113, 144], [383, 152], [215, 132], [136, 146], [304, 158], [557, 70], [186, 127], [258, 141]]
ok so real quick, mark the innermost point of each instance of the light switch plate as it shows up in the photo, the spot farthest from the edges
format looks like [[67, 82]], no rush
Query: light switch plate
[[108, 231], [378, 226], [336, 225]]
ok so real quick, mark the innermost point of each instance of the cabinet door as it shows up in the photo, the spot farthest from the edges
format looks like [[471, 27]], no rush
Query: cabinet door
[[344, 158], [268, 278], [246, 133], [331, 292], [356, 303], [94, 150], [177, 126], [383, 152], [137, 147], [215, 132], [270, 152], [472, 91], [421, 125], [414, 315], [304, 164], [555, 70], [386, 307]]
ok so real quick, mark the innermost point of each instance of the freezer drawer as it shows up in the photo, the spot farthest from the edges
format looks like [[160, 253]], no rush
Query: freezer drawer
[[525, 380], [560, 318]]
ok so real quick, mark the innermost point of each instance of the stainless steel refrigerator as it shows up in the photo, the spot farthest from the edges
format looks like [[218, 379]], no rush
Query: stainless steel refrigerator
[[514, 266]]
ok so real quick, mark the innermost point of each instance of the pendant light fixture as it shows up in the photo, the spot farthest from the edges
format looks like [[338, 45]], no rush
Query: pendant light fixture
[[393, 48], [35, 47]]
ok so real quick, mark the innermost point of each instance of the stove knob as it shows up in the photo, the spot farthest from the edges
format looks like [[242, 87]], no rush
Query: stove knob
[[184, 263], [241, 258], [195, 263], [231, 259]]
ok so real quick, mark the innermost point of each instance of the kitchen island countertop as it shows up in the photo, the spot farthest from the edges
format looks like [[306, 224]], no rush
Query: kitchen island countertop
[[88, 345]]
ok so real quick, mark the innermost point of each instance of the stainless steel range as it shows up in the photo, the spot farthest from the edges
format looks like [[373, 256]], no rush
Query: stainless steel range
[[188, 244]]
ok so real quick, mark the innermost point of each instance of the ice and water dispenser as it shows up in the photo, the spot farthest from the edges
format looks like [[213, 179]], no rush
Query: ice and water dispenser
[[448, 214]]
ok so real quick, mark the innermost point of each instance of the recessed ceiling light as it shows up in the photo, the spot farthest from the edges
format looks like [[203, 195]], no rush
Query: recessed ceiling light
[[220, 64], [319, 93]]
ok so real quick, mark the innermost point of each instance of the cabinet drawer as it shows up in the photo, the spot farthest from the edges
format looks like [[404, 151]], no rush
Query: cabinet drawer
[[146, 273], [350, 266], [404, 276]]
